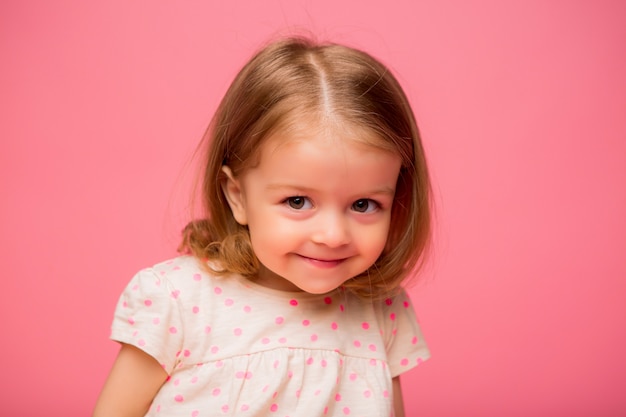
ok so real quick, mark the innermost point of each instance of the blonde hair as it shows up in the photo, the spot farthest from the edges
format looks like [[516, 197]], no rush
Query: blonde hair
[[282, 83]]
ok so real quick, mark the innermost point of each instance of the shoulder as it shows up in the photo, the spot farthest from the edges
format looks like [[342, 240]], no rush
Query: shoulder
[[395, 312], [399, 301], [180, 277], [179, 271], [177, 266]]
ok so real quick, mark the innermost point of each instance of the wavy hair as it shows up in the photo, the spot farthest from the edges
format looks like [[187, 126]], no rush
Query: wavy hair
[[285, 81]]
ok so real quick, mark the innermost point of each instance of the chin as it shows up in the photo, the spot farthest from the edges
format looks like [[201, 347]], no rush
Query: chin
[[320, 289]]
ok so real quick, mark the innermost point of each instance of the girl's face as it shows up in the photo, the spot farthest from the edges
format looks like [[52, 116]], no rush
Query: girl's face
[[318, 208]]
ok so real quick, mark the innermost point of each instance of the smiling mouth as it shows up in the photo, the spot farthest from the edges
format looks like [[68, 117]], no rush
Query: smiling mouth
[[323, 263]]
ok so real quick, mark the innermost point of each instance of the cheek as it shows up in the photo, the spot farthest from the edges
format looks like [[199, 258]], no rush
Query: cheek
[[268, 233], [271, 242], [373, 240]]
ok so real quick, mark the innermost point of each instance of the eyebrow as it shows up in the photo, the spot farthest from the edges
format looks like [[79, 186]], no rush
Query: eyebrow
[[307, 190]]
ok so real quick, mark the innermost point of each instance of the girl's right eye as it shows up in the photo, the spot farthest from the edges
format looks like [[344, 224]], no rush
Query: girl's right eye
[[298, 202]]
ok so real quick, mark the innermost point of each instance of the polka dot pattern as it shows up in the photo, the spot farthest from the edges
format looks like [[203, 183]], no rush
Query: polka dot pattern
[[232, 347]]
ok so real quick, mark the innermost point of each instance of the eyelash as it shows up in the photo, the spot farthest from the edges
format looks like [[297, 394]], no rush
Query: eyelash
[[294, 199], [300, 201], [376, 205]]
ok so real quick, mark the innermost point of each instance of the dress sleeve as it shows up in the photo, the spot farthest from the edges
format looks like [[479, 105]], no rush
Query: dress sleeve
[[404, 343], [148, 317]]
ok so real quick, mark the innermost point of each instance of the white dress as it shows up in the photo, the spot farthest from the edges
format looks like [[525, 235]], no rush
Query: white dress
[[232, 347]]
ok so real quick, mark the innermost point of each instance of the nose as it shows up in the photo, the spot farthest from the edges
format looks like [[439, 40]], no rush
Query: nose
[[331, 229]]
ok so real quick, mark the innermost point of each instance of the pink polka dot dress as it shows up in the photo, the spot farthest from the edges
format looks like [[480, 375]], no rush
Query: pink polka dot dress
[[232, 347]]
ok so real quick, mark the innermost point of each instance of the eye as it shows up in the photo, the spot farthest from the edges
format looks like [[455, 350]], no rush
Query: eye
[[299, 202], [365, 205]]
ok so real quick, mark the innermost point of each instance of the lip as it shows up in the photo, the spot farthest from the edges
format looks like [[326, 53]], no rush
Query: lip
[[323, 263]]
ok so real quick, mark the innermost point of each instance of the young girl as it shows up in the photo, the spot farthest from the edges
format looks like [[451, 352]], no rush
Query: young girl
[[288, 300]]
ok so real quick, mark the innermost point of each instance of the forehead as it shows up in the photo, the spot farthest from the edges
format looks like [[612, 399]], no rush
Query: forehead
[[335, 134], [327, 161]]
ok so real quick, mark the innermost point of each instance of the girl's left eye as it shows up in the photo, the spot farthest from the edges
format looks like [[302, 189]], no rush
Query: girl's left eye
[[364, 205]]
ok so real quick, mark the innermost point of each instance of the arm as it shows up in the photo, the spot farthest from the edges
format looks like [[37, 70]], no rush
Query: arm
[[398, 403], [131, 385]]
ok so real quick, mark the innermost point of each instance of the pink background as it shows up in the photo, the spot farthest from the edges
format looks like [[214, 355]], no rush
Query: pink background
[[522, 105]]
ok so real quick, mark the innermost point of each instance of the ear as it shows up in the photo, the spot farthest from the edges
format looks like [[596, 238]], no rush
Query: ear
[[231, 187]]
